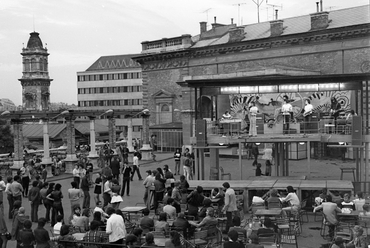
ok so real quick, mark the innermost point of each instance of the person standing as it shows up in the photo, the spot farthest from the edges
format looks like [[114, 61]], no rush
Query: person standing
[[124, 153], [56, 196], [85, 187], [25, 175], [47, 202], [126, 177], [107, 191], [18, 225], [106, 172], [41, 235], [115, 166], [230, 205], [136, 166], [287, 110], [307, 113], [177, 156], [153, 145], [115, 227], [3, 229], [74, 195], [26, 235], [34, 198], [116, 198], [330, 210], [253, 111], [76, 175], [44, 173], [9, 196], [97, 189], [187, 167], [148, 182], [16, 189]]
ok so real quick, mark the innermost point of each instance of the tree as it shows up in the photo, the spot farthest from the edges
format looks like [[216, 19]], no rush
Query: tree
[[6, 137]]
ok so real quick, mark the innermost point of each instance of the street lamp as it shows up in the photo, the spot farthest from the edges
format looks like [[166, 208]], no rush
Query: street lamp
[[109, 111], [65, 112]]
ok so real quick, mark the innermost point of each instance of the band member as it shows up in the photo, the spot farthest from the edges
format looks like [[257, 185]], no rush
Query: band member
[[227, 115], [307, 112], [287, 110], [253, 114], [335, 107]]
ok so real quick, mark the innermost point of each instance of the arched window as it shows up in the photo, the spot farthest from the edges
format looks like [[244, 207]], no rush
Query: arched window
[[41, 64], [33, 65], [165, 108]]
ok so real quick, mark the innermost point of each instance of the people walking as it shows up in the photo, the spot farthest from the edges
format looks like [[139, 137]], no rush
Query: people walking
[[9, 196], [136, 166], [85, 187]]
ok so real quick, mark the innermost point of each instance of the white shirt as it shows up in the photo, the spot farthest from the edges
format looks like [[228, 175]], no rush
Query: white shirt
[[56, 228], [293, 199], [253, 110], [2, 185], [135, 161], [76, 173], [116, 228], [170, 211], [149, 180], [107, 188], [230, 200], [308, 108], [286, 108]]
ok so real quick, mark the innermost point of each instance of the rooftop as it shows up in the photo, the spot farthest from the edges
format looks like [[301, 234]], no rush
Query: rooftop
[[114, 62]]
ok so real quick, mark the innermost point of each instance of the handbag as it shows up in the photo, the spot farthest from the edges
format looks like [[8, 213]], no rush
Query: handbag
[[8, 236]]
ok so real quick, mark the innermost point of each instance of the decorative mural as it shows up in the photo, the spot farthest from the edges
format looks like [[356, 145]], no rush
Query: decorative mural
[[270, 104]]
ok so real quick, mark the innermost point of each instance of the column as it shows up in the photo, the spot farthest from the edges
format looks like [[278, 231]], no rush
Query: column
[[112, 131], [46, 160], [309, 159], [18, 144], [214, 173], [93, 156], [146, 149], [129, 134], [71, 158]]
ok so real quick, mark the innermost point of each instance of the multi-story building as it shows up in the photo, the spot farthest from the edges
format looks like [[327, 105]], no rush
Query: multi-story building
[[6, 104], [112, 82]]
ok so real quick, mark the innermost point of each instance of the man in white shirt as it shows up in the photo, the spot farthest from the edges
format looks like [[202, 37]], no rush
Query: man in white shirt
[[307, 112], [169, 209], [287, 110], [230, 204], [115, 227], [58, 225], [148, 182], [99, 208]]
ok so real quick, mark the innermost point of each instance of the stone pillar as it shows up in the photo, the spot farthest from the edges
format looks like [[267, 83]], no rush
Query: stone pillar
[[146, 149], [46, 160], [129, 134], [71, 158], [93, 156], [112, 131], [214, 173], [18, 144]]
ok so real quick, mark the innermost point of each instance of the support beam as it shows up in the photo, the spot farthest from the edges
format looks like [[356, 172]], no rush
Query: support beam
[[240, 160], [309, 159], [18, 144], [129, 134], [71, 158], [214, 162], [112, 132], [366, 162]]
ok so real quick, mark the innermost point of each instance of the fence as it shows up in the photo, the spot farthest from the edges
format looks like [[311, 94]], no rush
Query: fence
[[168, 140]]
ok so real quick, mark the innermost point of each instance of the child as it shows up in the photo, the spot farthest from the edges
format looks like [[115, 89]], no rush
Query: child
[[258, 170], [268, 168], [58, 225]]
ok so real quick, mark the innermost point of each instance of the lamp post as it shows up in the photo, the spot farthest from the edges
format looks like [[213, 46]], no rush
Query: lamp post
[[144, 112]]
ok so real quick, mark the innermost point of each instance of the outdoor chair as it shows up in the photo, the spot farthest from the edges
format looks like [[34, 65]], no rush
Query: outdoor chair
[[268, 238], [303, 211], [289, 238], [343, 230], [200, 238], [364, 221]]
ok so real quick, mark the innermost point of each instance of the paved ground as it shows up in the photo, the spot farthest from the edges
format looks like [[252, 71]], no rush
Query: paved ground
[[310, 237]]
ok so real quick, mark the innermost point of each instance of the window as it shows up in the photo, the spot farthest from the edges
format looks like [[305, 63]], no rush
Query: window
[[165, 108], [136, 128], [101, 77]]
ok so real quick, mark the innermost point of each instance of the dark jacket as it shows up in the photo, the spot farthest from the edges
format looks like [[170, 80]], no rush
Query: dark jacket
[[34, 194], [42, 237], [114, 164], [18, 225], [85, 184], [126, 171], [27, 238]]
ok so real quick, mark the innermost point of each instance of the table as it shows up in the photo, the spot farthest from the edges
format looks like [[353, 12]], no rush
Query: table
[[215, 200], [160, 241], [135, 210], [282, 184], [78, 236], [268, 212]]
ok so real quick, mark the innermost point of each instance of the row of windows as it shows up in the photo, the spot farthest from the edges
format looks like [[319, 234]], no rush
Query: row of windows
[[124, 102], [34, 65], [100, 90], [113, 76], [134, 128]]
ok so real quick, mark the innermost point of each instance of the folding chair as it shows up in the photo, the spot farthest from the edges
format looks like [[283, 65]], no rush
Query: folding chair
[[200, 238], [303, 211], [224, 174], [289, 238], [268, 238]]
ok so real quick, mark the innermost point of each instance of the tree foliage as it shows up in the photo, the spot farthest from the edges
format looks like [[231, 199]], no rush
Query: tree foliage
[[6, 137]]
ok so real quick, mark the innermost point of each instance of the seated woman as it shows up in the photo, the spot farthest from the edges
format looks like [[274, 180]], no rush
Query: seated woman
[[207, 203], [347, 203], [83, 221], [174, 241], [273, 201], [269, 227], [94, 235], [162, 225], [149, 240], [292, 199], [358, 239], [216, 193], [208, 221], [76, 215]]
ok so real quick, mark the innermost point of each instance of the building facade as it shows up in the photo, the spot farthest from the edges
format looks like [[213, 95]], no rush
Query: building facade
[[35, 80], [113, 82], [7, 104]]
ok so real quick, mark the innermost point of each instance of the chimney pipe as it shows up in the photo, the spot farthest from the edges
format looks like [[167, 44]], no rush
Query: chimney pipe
[[321, 9], [317, 7], [203, 27], [214, 18], [276, 14], [232, 20]]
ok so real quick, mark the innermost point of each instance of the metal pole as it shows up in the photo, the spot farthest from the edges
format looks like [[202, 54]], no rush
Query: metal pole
[[309, 159], [240, 161]]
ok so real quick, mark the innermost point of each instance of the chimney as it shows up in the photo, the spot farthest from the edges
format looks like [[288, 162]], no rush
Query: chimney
[[276, 14], [276, 28], [214, 19], [232, 20], [203, 27], [317, 7], [236, 34], [319, 20]]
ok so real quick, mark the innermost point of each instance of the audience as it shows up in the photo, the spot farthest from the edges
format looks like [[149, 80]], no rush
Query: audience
[[208, 221], [162, 225], [65, 236], [146, 223], [233, 241], [207, 203]]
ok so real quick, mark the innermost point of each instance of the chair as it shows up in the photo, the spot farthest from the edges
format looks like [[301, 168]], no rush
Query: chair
[[303, 211], [343, 230], [289, 238], [224, 174], [268, 238], [200, 238]]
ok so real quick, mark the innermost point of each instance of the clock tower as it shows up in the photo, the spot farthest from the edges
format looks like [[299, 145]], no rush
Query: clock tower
[[35, 80]]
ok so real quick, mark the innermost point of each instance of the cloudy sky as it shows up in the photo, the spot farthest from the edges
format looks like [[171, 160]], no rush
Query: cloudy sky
[[78, 32]]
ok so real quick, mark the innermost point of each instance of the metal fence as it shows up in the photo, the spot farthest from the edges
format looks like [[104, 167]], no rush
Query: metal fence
[[168, 140]]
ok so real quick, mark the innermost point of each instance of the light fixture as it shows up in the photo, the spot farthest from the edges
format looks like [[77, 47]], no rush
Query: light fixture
[[342, 143], [257, 144], [301, 143], [221, 144], [6, 112], [65, 112], [109, 111]]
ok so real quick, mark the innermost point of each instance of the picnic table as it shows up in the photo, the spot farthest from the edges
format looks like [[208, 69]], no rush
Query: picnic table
[[268, 212], [133, 210]]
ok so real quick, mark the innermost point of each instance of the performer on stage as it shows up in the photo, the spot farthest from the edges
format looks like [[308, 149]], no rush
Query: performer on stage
[[335, 107], [227, 115], [287, 110], [252, 118], [307, 112]]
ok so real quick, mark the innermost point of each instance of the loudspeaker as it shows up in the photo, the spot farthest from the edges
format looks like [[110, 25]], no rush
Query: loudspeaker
[[357, 130], [201, 132]]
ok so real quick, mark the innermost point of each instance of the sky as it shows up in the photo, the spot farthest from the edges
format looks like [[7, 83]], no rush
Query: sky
[[78, 32]]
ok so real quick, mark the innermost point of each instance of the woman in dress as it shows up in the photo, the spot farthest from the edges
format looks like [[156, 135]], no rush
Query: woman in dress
[[97, 189], [56, 196], [116, 198]]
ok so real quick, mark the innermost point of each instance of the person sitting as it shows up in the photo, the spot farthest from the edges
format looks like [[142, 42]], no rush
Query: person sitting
[[330, 210], [174, 241], [273, 201], [94, 235], [216, 193], [232, 241], [293, 201], [146, 223], [162, 225], [365, 210], [134, 238], [208, 222], [227, 115], [149, 240], [338, 243], [99, 208], [207, 203], [269, 228], [359, 201], [97, 217], [358, 239], [254, 242], [65, 236], [181, 224], [76, 215], [238, 228], [83, 221], [58, 225], [347, 203], [169, 209]]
